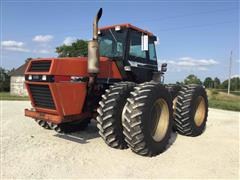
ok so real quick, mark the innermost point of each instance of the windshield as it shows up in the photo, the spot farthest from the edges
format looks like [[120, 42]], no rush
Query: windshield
[[112, 43]]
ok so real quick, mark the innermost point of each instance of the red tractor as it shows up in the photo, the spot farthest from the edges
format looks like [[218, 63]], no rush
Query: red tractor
[[120, 86]]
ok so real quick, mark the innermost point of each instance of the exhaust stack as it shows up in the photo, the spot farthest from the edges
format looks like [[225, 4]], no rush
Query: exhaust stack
[[93, 48]]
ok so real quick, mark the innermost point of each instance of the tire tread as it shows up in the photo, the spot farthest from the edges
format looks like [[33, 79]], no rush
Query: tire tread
[[107, 114]]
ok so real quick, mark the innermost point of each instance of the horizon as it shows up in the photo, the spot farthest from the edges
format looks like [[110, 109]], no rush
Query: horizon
[[195, 37]]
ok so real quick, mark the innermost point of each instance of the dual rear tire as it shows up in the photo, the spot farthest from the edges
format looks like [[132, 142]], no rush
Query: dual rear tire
[[124, 120], [142, 117], [147, 119]]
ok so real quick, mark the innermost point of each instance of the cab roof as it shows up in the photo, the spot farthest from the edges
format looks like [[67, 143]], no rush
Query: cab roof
[[127, 26]]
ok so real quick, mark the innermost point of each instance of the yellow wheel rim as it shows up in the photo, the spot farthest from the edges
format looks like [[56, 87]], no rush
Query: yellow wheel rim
[[174, 104], [200, 111], [160, 115]]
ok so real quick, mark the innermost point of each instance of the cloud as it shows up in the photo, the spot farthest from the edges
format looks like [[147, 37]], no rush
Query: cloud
[[14, 46], [42, 51], [69, 40], [189, 63], [43, 38]]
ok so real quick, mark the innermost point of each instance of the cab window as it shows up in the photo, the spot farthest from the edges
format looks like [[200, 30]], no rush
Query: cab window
[[111, 43], [135, 51], [152, 51]]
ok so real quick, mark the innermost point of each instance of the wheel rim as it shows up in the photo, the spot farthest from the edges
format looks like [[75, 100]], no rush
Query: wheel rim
[[200, 111], [174, 104], [160, 116]]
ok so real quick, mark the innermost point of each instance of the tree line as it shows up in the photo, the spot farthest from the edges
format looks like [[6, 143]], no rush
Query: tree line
[[208, 82], [213, 83]]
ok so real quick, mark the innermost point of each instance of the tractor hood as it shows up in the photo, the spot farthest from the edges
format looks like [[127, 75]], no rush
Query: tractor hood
[[76, 66]]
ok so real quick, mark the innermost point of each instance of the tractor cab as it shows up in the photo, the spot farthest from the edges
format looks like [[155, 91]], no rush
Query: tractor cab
[[132, 48]]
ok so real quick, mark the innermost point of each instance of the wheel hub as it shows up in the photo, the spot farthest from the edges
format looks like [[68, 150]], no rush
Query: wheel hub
[[200, 111], [160, 116]]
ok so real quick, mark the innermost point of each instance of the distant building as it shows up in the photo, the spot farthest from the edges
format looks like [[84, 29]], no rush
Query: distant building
[[17, 86]]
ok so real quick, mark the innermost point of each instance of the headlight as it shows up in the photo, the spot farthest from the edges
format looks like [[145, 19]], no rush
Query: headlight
[[44, 77], [30, 77]]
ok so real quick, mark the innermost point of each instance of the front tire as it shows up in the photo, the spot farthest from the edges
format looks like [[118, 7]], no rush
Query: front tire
[[110, 114], [147, 119], [191, 111]]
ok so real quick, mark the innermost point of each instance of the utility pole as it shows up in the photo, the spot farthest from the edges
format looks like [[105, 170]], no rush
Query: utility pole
[[230, 70]]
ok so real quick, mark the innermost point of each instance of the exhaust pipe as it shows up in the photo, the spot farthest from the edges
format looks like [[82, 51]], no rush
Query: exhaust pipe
[[93, 49]]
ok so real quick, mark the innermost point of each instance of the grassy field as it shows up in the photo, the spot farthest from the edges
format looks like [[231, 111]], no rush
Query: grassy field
[[221, 100], [7, 96]]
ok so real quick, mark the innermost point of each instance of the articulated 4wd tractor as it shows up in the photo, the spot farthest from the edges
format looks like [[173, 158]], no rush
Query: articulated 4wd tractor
[[118, 84]]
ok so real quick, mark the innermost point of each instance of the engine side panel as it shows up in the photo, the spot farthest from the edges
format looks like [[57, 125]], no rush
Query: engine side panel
[[59, 95]]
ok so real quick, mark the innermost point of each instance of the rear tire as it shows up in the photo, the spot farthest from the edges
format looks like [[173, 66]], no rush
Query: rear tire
[[147, 119], [191, 112], [110, 113]]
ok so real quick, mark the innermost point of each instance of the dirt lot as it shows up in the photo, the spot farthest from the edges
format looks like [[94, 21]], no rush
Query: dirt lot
[[29, 151]]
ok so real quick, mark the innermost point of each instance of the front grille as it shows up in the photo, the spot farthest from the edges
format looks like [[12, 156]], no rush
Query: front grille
[[42, 96], [40, 66]]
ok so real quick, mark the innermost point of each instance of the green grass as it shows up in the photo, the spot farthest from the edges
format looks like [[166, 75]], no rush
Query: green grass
[[221, 100], [226, 105], [236, 93], [6, 96]]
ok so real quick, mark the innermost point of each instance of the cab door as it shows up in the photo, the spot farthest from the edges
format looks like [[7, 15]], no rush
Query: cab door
[[142, 66]]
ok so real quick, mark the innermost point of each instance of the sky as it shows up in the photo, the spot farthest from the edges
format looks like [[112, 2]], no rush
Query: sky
[[194, 37]]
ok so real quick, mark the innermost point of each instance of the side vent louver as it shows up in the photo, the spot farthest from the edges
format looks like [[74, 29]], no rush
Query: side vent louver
[[39, 66], [42, 96]]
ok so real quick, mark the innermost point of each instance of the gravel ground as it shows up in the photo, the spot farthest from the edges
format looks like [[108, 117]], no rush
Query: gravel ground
[[28, 151]]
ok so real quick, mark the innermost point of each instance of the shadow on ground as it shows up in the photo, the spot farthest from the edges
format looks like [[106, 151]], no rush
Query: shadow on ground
[[172, 139], [82, 136], [91, 132]]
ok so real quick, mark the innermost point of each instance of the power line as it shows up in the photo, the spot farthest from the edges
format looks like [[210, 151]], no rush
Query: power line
[[197, 26], [230, 71], [152, 20], [191, 14], [161, 30], [117, 1]]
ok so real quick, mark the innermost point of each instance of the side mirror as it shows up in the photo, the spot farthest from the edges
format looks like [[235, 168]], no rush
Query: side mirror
[[144, 42], [164, 67]]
